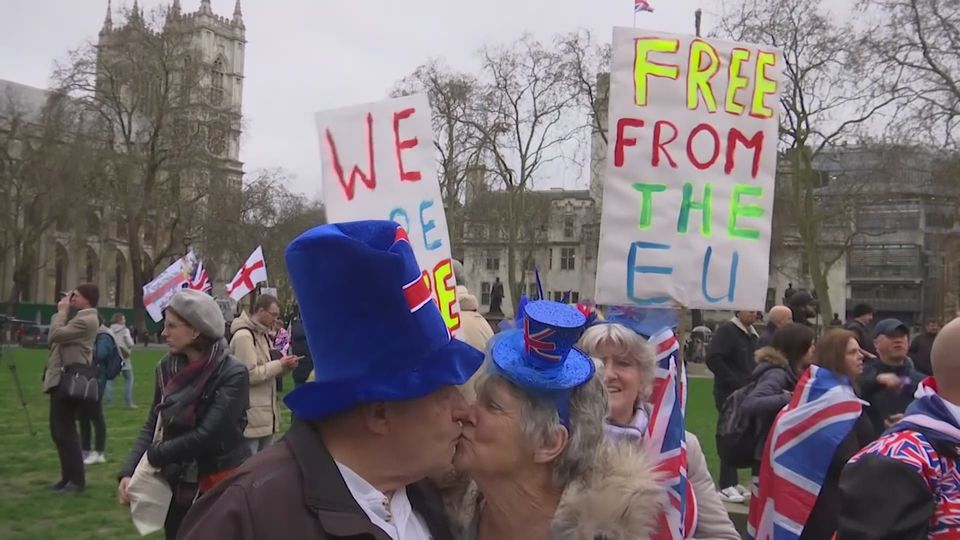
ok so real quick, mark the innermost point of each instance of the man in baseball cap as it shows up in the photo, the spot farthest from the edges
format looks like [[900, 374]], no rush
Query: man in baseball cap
[[889, 381]]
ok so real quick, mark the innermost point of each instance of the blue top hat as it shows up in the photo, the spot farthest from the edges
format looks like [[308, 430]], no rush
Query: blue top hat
[[373, 331], [541, 357]]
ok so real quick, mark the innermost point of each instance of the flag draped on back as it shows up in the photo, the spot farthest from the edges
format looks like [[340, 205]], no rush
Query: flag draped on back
[[798, 452], [642, 5], [666, 440]]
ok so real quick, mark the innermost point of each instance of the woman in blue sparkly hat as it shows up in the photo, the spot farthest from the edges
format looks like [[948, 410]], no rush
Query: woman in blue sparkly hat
[[533, 443]]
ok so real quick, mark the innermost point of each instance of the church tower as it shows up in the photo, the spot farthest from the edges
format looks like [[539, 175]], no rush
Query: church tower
[[220, 42]]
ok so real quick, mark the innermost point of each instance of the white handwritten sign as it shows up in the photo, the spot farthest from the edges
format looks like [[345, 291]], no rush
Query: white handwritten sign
[[378, 163], [688, 193]]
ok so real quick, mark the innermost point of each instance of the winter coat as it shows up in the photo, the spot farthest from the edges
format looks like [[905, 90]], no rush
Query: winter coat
[[299, 347], [920, 352], [71, 342], [294, 490], [124, 341], [905, 485], [884, 401], [216, 442], [475, 330], [863, 335], [775, 383], [766, 338], [713, 521], [730, 358], [619, 498], [251, 345]]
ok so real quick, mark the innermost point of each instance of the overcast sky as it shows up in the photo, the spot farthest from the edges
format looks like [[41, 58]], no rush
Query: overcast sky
[[309, 55]]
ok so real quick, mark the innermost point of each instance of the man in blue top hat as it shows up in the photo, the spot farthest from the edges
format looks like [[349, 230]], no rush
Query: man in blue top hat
[[382, 414]]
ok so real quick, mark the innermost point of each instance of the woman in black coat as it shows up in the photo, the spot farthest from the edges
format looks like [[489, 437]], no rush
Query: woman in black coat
[[200, 400], [778, 368]]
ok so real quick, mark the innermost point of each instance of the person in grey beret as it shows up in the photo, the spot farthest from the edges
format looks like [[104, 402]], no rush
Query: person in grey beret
[[200, 400]]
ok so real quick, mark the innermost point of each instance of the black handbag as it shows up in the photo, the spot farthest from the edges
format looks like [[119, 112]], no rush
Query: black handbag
[[80, 381]]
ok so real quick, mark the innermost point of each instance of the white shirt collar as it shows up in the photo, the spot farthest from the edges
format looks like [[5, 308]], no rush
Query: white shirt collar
[[394, 515]]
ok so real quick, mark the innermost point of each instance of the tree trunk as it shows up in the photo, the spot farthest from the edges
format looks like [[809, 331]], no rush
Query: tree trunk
[[137, 274]]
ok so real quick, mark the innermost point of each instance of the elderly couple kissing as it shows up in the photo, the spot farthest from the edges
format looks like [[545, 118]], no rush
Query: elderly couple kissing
[[385, 415]]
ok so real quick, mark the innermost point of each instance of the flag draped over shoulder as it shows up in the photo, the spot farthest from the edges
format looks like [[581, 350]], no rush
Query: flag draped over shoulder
[[798, 453], [666, 438]]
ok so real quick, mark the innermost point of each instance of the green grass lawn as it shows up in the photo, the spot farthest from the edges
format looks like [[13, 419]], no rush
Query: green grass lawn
[[28, 464]]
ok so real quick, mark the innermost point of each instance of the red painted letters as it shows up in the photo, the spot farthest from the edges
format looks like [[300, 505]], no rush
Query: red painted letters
[[350, 185], [405, 176], [622, 141]]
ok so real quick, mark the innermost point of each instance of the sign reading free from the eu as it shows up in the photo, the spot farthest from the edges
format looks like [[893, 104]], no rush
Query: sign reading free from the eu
[[378, 163], [688, 193]]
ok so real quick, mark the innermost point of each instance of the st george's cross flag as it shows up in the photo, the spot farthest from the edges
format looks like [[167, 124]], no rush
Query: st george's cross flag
[[252, 272], [798, 452], [642, 5], [666, 441]]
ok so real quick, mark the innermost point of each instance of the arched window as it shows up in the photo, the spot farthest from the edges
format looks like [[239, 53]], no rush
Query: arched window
[[90, 270], [217, 75], [119, 274], [149, 233], [60, 269]]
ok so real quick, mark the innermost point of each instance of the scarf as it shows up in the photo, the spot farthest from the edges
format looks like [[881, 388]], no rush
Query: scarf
[[930, 415], [633, 432], [182, 383]]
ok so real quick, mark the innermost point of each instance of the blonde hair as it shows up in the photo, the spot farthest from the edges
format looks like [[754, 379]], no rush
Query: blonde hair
[[117, 318], [626, 343]]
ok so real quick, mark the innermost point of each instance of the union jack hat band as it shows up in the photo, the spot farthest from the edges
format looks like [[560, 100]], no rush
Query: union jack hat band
[[541, 356]]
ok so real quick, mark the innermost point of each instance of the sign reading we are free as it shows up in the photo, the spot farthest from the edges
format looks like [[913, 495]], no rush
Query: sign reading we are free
[[688, 193], [378, 163]]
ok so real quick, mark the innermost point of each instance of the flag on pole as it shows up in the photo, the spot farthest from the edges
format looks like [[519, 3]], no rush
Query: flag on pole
[[157, 293], [641, 6], [252, 272], [798, 452], [666, 439], [200, 280]]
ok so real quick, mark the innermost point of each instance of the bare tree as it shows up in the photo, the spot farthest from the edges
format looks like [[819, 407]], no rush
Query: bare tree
[[524, 119], [45, 168], [452, 98], [918, 43], [268, 214], [163, 128], [830, 93]]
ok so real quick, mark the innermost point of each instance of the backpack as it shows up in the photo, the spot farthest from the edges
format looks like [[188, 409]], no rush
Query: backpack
[[106, 356], [737, 433]]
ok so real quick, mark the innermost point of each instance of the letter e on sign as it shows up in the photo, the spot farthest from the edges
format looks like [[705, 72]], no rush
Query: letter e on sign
[[406, 144]]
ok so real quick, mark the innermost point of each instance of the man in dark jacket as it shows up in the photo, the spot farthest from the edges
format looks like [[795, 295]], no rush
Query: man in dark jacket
[[803, 306], [383, 412], [859, 324], [299, 347], [920, 348], [730, 358], [889, 381], [778, 317]]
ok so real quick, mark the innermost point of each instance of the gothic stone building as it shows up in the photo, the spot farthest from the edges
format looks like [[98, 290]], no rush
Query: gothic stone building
[[95, 250]]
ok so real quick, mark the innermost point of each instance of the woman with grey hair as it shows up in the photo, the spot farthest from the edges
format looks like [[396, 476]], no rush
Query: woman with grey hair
[[629, 372], [534, 444], [200, 403]]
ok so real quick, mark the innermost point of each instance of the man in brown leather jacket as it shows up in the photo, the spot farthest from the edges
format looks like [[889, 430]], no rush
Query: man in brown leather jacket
[[382, 414]]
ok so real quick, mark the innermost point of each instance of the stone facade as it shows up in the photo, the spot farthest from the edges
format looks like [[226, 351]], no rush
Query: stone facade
[[95, 249]]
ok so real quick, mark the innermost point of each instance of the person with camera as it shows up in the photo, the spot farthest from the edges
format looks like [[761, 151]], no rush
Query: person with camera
[[71, 344]]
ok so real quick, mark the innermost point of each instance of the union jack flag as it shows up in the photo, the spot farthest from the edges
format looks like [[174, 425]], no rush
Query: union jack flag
[[641, 5], [200, 280], [666, 441], [797, 454]]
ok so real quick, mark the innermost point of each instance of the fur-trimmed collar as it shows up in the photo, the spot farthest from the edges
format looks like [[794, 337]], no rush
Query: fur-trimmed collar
[[769, 355], [619, 499]]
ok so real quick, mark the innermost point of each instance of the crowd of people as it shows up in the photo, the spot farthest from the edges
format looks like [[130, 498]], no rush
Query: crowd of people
[[401, 431]]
